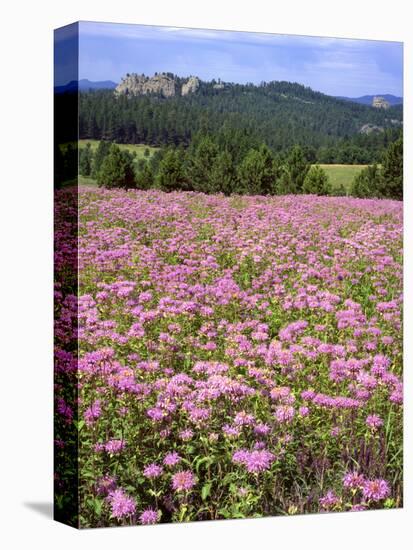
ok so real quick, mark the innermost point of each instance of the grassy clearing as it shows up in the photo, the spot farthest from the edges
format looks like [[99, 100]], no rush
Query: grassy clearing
[[137, 148], [86, 180], [342, 174]]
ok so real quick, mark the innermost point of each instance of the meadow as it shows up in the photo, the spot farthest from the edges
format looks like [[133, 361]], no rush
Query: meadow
[[238, 356], [134, 148], [342, 174]]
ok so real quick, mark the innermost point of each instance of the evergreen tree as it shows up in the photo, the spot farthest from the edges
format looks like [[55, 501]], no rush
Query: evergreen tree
[[223, 176], [200, 163], [294, 171], [117, 169], [58, 166], [392, 171], [92, 128], [85, 160], [317, 182], [171, 174], [257, 172], [367, 183], [156, 159], [318, 123], [70, 153], [101, 152], [144, 175]]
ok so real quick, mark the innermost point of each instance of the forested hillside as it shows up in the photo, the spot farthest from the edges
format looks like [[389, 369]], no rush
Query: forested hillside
[[279, 114]]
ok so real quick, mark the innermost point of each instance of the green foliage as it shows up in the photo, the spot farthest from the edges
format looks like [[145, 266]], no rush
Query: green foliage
[[294, 171], [85, 160], [201, 158], [392, 171], [384, 182], [367, 183], [65, 163], [222, 164], [144, 176], [282, 114], [171, 173], [117, 169], [316, 182], [257, 172], [101, 152], [223, 175]]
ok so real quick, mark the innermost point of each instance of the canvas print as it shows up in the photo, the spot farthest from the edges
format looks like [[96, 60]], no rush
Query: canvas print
[[228, 275]]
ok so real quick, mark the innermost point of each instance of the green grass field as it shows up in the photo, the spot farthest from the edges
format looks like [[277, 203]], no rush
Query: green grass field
[[86, 180], [137, 148], [342, 174]]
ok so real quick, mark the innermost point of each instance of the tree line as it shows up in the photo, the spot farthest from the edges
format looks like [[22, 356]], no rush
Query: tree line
[[209, 166]]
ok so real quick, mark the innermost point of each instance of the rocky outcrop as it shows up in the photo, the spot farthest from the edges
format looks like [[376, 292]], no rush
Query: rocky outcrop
[[135, 84], [163, 84], [380, 103], [370, 129], [190, 86]]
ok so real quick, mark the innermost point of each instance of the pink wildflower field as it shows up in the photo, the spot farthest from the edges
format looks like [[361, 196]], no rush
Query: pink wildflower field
[[230, 357]]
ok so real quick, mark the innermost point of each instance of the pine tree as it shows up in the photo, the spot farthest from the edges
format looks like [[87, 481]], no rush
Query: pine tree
[[317, 182], [202, 158], [392, 171], [58, 166], [144, 175], [117, 169], [92, 128], [257, 172], [367, 183], [85, 160], [223, 176], [171, 174], [294, 171], [101, 152]]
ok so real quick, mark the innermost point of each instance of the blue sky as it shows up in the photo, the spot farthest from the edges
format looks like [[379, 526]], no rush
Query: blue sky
[[331, 65]]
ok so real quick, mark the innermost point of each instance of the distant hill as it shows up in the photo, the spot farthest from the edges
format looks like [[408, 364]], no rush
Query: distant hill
[[368, 99], [166, 109], [85, 85]]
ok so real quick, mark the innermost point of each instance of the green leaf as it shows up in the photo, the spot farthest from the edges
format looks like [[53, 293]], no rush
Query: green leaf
[[79, 424], [207, 460], [182, 512], [389, 503], [98, 506], [206, 490]]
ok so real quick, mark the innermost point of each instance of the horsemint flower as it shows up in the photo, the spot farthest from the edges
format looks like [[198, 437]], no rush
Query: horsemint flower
[[121, 504], [149, 517], [183, 480]]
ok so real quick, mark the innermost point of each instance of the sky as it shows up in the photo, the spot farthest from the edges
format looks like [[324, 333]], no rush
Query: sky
[[335, 66]]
